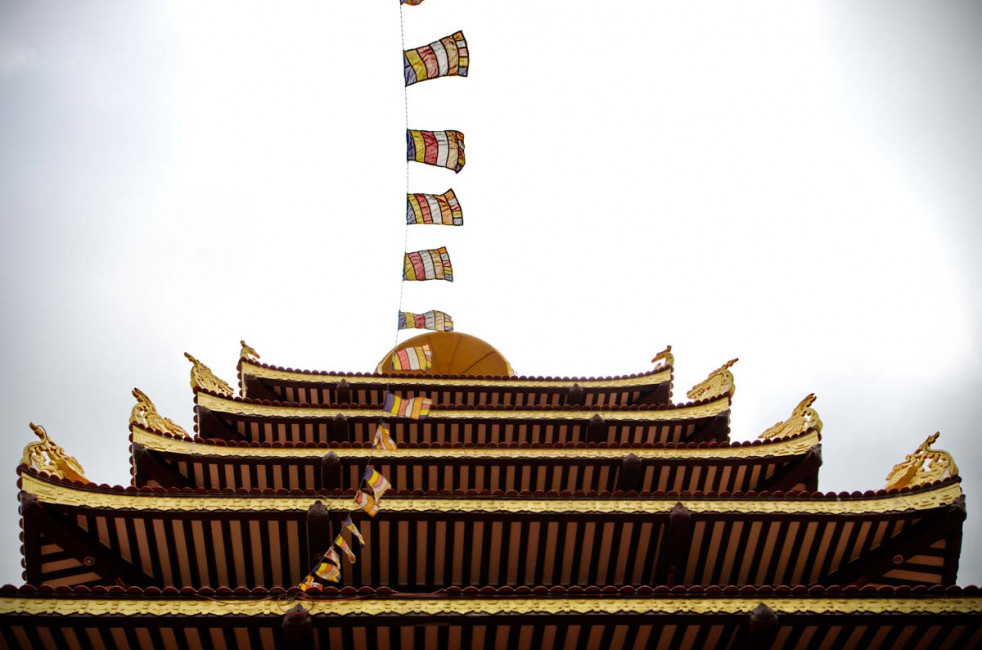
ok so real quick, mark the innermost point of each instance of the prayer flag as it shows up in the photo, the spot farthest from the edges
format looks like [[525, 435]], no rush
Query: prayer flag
[[383, 439], [440, 209], [330, 568], [366, 502], [446, 57], [413, 408], [307, 583], [437, 321], [414, 358], [376, 481], [343, 545], [350, 525], [440, 148], [431, 264], [412, 3]]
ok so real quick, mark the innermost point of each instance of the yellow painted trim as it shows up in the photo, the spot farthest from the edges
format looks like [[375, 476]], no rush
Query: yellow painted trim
[[708, 409], [71, 495], [136, 606], [161, 443], [253, 370]]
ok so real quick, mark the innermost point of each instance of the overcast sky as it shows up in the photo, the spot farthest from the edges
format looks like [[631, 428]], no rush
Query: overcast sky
[[795, 184]]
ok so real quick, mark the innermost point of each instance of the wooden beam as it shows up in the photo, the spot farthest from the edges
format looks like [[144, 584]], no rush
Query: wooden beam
[[330, 473], [674, 552], [805, 471], [630, 477], [596, 429], [318, 531], [150, 468], [297, 631], [339, 429], [80, 544], [915, 538], [213, 426]]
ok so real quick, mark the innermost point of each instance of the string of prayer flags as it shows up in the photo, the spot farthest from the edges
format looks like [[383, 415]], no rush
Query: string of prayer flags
[[343, 545], [382, 440], [366, 502], [440, 148], [378, 483], [437, 321], [446, 57], [350, 525], [418, 357], [430, 264], [413, 408], [439, 209]]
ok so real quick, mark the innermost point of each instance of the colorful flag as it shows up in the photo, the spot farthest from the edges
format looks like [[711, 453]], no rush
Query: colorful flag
[[418, 357], [307, 583], [446, 57], [366, 502], [343, 545], [413, 408], [376, 481], [330, 568], [383, 439], [350, 525], [411, 2], [440, 148], [440, 209], [437, 321], [430, 264]]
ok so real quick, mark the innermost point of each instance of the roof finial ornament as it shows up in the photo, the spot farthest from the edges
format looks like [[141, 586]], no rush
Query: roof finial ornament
[[145, 414], [923, 466], [719, 382], [202, 378], [49, 457], [248, 353], [803, 418], [664, 358]]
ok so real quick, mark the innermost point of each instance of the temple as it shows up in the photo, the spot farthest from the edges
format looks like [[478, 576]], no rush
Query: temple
[[525, 512]]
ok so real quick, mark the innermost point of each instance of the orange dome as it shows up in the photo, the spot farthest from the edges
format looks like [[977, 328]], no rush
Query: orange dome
[[454, 353]]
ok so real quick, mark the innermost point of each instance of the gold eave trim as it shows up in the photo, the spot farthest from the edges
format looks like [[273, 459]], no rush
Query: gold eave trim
[[583, 606], [71, 495], [794, 447], [708, 409], [251, 370]]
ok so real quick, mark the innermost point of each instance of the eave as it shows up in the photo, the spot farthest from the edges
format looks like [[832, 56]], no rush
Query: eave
[[788, 464]]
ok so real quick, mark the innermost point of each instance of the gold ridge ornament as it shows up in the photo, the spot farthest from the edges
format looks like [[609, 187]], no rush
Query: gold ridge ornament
[[719, 382], [51, 458], [202, 378], [923, 466], [803, 418], [145, 414]]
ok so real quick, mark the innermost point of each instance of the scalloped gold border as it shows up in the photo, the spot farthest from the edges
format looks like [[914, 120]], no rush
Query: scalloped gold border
[[71, 495], [709, 409], [785, 447], [661, 377], [520, 606]]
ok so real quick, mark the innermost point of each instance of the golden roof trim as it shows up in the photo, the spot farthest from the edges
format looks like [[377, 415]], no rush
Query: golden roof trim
[[67, 494], [489, 606], [46, 456], [712, 408], [792, 447], [922, 466], [263, 372]]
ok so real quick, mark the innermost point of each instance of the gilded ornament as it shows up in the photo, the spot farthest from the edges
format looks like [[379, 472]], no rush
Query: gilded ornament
[[664, 358], [51, 458], [922, 466], [202, 378], [719, 382], [248, 353], [145, 414], [803, 418]]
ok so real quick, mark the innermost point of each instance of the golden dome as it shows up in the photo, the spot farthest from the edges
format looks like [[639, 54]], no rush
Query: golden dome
[[454, 353]]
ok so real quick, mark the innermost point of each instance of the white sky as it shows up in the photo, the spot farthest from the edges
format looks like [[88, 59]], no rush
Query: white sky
[[796, 184]]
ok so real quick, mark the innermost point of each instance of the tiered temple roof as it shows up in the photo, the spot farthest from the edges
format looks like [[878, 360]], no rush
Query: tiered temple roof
[[526, 512]]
